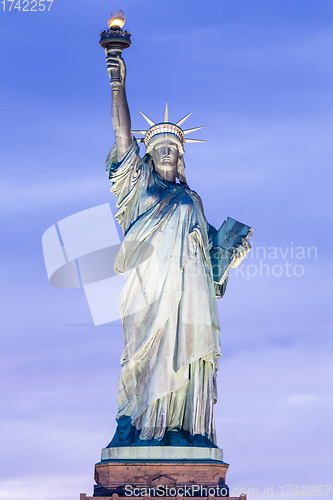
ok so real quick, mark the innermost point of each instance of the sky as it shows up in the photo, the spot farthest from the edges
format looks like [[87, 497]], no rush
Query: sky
[[258, 74]]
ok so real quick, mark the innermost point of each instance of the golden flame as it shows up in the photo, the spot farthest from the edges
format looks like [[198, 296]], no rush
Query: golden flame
[[117, 19]]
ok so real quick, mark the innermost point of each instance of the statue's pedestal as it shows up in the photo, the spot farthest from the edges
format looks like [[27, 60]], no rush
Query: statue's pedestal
[[162, 453], [161, 471]]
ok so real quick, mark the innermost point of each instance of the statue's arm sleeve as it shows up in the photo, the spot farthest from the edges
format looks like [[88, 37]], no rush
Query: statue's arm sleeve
[[211, 233], [129, 178], [219, 289], [119, 170]]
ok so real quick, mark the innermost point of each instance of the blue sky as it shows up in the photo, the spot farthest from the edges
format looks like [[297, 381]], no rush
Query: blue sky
[[258, 74]]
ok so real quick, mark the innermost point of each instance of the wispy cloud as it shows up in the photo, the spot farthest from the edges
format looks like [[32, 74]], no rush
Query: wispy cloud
[[299, 399], [44, 487], [15, 198]]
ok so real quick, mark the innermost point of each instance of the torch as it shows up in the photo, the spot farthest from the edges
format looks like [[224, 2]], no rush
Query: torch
[[114, 40]]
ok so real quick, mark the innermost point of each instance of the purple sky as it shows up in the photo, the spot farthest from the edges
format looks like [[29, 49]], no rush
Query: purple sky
[[258, 74]]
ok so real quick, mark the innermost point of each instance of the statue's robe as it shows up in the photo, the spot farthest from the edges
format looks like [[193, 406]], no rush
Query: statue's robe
[[167, 383]]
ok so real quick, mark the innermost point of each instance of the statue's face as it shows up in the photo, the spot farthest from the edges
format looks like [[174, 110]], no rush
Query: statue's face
[[165, 154]]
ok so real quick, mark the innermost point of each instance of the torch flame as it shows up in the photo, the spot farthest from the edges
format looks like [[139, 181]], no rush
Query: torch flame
[[117, 19]]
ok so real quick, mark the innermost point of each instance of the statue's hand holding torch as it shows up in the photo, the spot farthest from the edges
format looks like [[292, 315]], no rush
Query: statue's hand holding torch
[[116, 69]]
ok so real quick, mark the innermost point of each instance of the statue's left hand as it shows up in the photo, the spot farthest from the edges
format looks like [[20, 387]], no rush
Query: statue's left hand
[[241, 253]]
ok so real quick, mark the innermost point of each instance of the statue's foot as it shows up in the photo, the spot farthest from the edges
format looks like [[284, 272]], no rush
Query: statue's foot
[[201, 441], [175, 437]]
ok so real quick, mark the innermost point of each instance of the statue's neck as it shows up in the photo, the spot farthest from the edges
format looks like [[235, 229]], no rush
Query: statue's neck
[[167, 174]]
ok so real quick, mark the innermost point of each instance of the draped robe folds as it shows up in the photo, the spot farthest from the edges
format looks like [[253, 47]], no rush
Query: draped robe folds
[[167, 383]]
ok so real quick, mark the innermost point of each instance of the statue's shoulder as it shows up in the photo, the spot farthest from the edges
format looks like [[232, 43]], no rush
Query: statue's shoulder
[[193, 193], [132, 154]]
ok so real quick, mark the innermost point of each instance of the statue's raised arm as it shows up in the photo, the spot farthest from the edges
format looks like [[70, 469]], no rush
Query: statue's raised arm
[[121, 118]]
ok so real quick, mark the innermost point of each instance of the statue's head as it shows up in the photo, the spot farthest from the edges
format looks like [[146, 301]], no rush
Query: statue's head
[[164, 142], [166, 152]]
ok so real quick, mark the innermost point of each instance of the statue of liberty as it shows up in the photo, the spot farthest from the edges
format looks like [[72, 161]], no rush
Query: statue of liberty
[[167, 383]]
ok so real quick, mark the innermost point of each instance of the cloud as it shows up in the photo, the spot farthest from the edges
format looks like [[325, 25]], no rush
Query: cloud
[[15, 198], [41, 487], [299, 399], [303, 48]]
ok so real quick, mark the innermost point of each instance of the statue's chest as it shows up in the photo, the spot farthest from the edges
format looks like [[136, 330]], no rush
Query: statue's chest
[[166, 200]]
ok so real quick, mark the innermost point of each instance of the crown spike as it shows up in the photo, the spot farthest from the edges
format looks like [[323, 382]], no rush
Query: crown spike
[[189, 130], [166, 114], [142, 132], [193, 140], [151, 123], [183, 119]]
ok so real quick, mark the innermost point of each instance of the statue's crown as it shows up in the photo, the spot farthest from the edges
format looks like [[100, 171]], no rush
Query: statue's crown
[[166, 127]]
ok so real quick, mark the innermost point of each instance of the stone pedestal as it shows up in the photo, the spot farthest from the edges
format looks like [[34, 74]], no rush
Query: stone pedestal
[[172, 472], [163, 453]]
